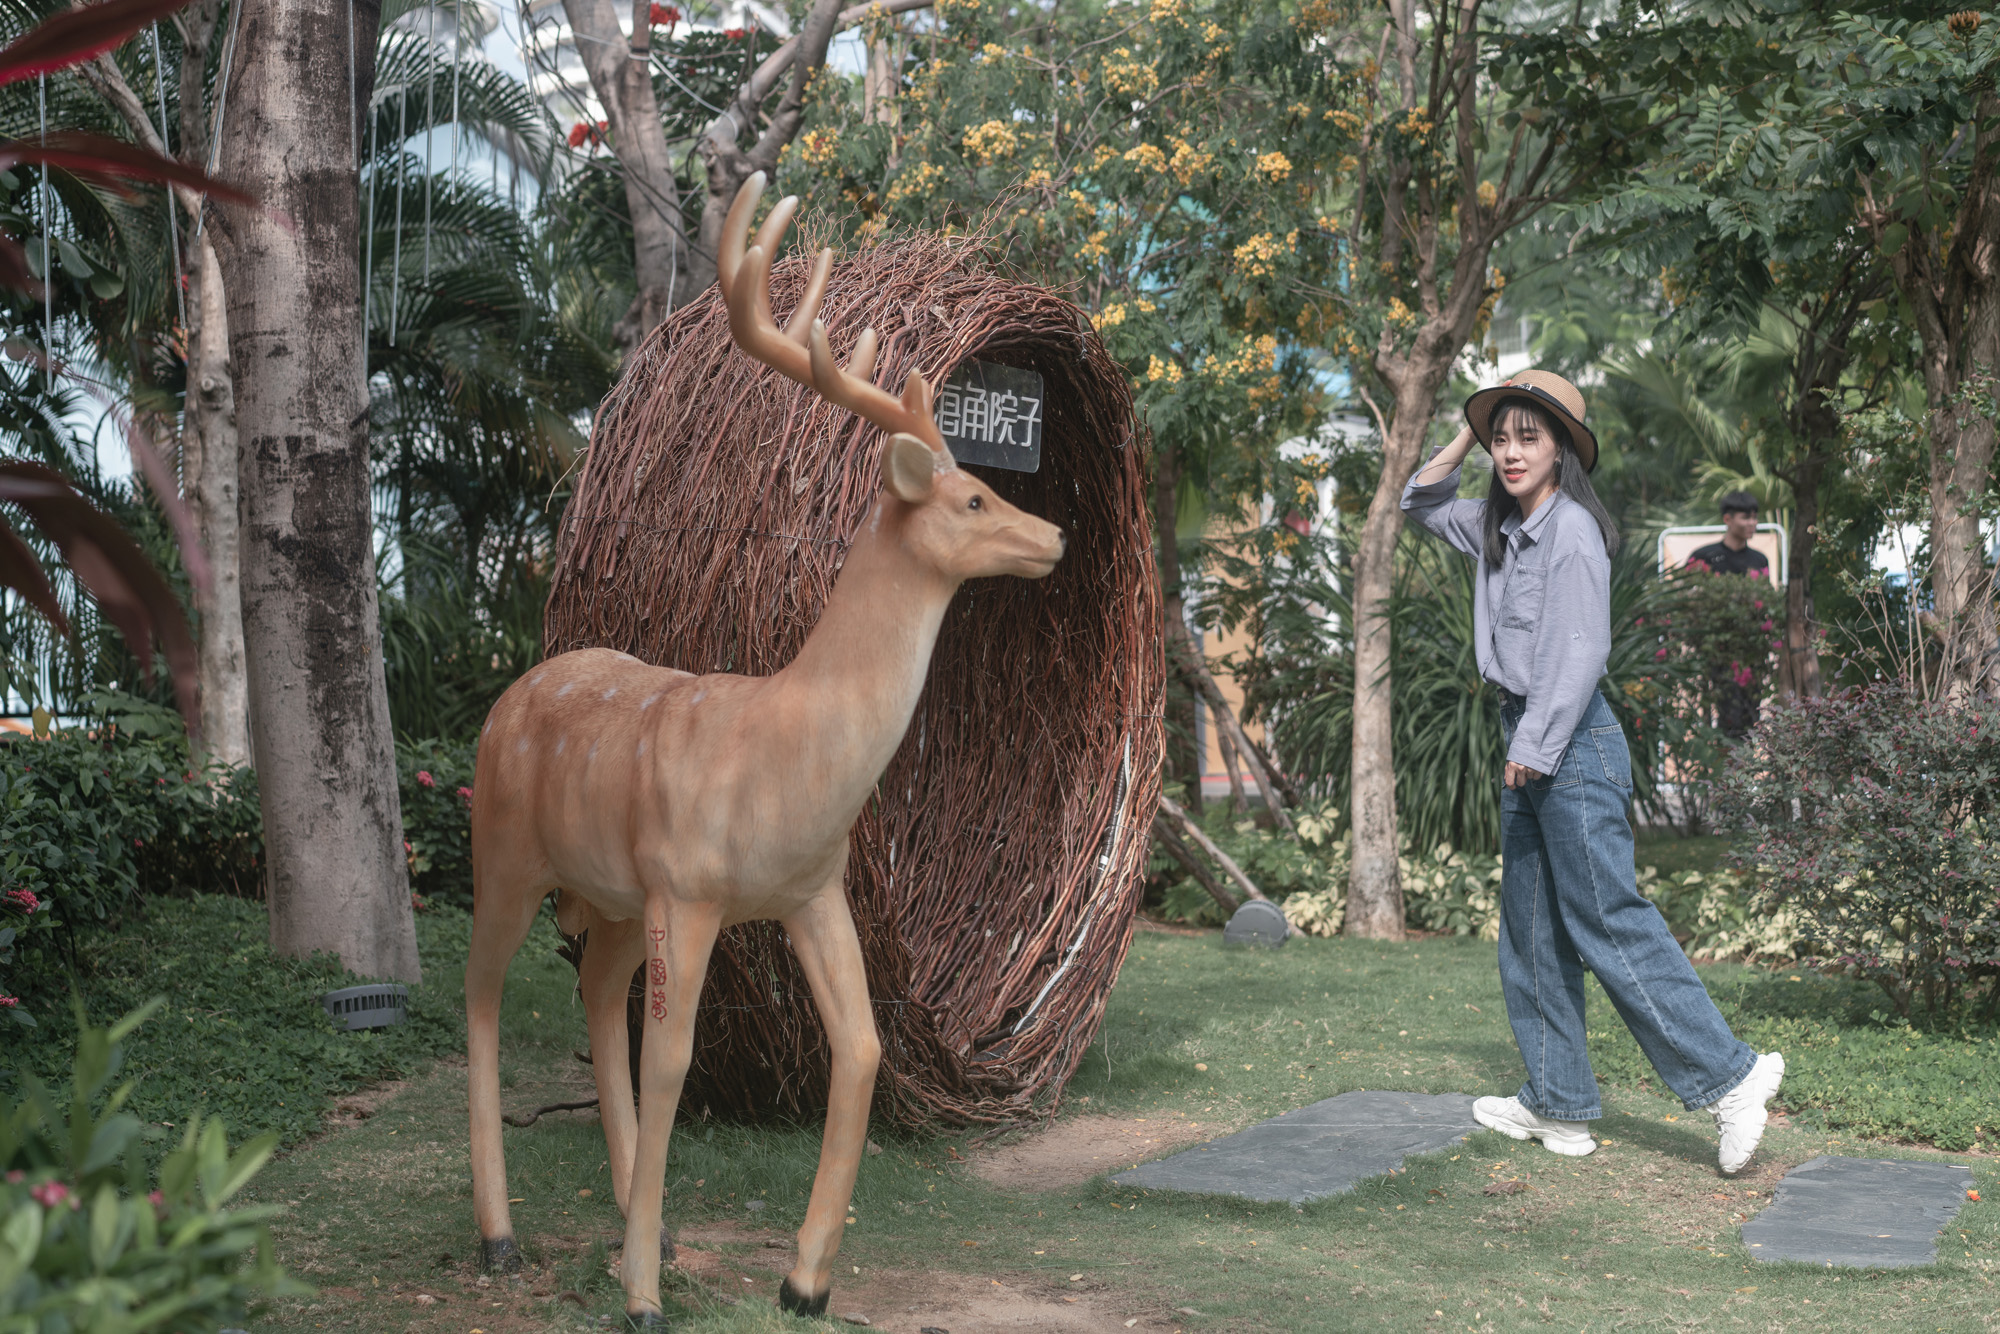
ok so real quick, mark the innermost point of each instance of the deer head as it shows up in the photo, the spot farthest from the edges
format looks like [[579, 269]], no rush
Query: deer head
[[955, 523]]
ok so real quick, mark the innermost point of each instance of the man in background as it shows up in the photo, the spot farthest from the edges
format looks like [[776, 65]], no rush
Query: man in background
[[1734, 554], [1736, 698]]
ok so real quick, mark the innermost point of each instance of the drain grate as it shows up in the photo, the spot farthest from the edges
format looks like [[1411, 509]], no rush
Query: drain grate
[[378, 1005]]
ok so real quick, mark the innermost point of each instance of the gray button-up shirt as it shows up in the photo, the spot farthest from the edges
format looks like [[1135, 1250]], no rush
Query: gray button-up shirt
[[1541, 623]]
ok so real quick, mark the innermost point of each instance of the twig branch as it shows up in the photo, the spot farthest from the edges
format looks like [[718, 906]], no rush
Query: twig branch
[[1206, 844]]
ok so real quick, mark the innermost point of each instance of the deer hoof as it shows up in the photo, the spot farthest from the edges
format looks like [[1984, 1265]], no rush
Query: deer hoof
[[499, 1255], [638, 1320], [793, 1302]]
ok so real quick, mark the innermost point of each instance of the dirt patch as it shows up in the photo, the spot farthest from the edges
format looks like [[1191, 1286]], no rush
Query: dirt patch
[[908, 1303], [351, 1109], [1075, 1149]]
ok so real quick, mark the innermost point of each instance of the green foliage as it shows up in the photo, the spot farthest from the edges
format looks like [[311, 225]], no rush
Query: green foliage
[[435, 779], [1848, 1066], [1448, 738], [92, 818], [85, 1246], [1277, 865], [1870, 815], [241, 1033]]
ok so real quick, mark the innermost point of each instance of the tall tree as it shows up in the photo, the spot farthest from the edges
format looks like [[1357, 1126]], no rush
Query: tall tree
[[209, 456], [670, 265], [1464, 136], [319, 708], [1911, 124]]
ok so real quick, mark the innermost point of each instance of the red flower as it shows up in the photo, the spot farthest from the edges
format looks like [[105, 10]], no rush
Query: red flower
[[577, 134], [24, 899], [50, 1193], [664, 15], [8, 1003], [424, 779], [733, 34]]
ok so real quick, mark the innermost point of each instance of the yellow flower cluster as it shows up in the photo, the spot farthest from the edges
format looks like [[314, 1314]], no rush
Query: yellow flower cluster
[[1273, 167], [1157, 370], [1114, 314], [992, 142], [816, 148], [1399, 313], [1105, 153], [1038, 179], [1316, 16], [1418, 125], [1256, 354], [1258, 256], [1094, 247], [993, 51], [947, 8], [1215, 35], [1081, 200], [915, 181], [1134, 78], [1489, 194], [1148, 156], [1167, 11], [1187, 162]]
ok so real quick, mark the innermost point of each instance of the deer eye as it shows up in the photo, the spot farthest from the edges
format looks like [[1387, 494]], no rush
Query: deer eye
[[975, 504]]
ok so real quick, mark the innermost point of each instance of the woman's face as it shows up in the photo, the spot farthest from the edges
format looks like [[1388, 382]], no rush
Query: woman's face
[[1524, 455]]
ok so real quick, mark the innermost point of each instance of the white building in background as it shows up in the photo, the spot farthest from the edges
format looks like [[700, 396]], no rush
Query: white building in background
[[555, 72]]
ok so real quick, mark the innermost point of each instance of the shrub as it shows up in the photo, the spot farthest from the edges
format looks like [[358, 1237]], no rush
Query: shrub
[[242, 1034], [85, 1245], [1870, 815], [436, 782], [1277, 865]]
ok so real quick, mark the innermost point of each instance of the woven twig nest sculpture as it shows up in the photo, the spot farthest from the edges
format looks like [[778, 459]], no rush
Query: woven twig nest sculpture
[[996, 876]]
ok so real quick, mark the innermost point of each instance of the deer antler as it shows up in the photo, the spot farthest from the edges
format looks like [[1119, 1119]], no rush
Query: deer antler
[[800, 352]]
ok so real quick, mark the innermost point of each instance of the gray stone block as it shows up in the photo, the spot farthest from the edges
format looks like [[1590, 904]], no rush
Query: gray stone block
[[1316, 1151], [1869, 1213]]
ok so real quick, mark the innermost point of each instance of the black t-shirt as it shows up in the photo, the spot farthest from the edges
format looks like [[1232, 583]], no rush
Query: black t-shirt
[[1718, 557]]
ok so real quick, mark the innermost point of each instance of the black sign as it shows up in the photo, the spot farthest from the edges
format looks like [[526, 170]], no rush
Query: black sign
[[993, 415]]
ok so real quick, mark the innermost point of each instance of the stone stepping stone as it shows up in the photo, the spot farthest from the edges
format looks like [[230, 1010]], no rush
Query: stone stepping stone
[[1869, 1213], [1319, 1150]]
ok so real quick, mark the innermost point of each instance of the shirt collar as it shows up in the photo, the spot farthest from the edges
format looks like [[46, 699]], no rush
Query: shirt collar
[[1534, 523]]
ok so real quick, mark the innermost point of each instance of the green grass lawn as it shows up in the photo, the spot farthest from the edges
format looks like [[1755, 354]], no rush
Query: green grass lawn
[[1642, 1235]]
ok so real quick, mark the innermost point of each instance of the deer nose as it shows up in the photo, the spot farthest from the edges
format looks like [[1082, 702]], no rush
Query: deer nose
[[1062, 541]]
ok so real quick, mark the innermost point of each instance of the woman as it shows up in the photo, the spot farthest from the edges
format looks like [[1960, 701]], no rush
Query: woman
[[1569, 899]]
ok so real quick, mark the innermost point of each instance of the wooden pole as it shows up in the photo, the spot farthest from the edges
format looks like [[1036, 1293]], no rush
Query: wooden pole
[[1190, 863], [1201, 840]]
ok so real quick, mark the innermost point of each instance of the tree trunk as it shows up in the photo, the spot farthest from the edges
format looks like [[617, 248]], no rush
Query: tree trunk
[[1183, 752], [1374, 886], [1961, 462], [621, 74], [210, 454], [337, 879]]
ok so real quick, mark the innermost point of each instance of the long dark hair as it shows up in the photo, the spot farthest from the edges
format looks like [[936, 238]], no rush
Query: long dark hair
[[1571, 479]]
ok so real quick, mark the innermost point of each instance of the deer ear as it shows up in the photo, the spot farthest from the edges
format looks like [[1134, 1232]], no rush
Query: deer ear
[[909, 468]]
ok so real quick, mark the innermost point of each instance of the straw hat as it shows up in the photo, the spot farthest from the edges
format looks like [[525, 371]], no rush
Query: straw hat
[[1545, 389]]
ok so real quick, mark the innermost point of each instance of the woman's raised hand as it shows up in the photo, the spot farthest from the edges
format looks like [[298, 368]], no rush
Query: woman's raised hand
[[1449, 457]]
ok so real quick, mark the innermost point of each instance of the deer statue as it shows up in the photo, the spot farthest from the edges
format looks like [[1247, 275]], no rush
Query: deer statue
[[662, 806]]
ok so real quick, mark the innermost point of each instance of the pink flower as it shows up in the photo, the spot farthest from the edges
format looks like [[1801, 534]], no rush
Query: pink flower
[[425, 780], [50, 1193], [24, 899], [1767, 627], [154, 1198], [465, 795], [9, 1002], [1758, 604], [1743, 676], [1660, 656]]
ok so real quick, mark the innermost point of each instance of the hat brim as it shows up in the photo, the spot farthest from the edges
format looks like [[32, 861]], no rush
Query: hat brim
[[1479, 410]]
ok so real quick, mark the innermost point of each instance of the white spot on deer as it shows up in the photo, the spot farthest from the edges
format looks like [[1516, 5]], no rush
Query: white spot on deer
[[593, 751], [875, 517], [609, 693], [561, 741], [536, 679], [651, 700], [521, 746], [642, 746], [699, 696], [567, 687], [489, 727]]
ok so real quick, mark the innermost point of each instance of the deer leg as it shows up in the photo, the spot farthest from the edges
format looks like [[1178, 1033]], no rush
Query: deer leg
[[613, 951], [830, 954], [503, 913], [677, 942]]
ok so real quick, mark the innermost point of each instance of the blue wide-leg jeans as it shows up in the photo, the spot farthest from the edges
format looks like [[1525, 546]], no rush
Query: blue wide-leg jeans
[[1569, 901]]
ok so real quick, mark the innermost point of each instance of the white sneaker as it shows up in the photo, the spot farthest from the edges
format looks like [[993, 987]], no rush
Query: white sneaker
[[1507, 1115], [1740, 1115]]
